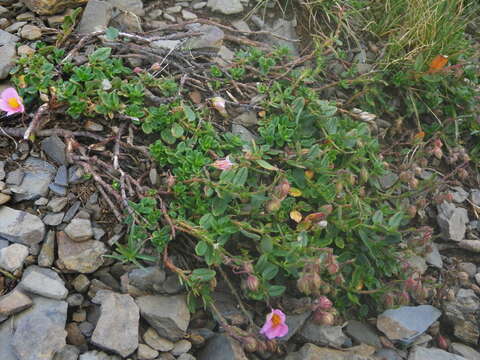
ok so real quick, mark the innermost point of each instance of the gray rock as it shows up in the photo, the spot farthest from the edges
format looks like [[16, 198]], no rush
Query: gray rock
[[127, 21], [286, 29], [57, 204], [248, 118], [173, 9], [433, 257], [388, 180], [81, 283], [15, 177], [459, 194], [117, 327], [40, 330], [226, 7], [295, 323], [14, 302], [155, 341], [15, 26], [463, 350], [149, 279], [468, 267], [2, 170], [62, 176], [186, 357], [8, 55], [43, 282], [97, 355], [363, 333], [13, 256], [4, 198], [323, 335], [53, 219], [244, 134], [20, 227], [96, 16], [75, 300], [423, 353], [58, 189], [475, 196], [79, 230], [407, 322], [461, 314], [226, 305], [7, 39], [31, 32], [452, 220], [75, 174], [212, 37], [241, 25], [84, 257], [38, 175], [471, 245], [188, 15], [169, 315], [181, 347], [68, 352], [4, 243], [133, 6], [166, 44], [72, 211], [222, 347], [145, 352], [47, 253], [312, 352], [6, 333], [388, 354]]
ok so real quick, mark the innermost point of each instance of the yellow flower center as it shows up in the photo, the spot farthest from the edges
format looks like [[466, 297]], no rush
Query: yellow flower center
[[13, 102], [276, 320]]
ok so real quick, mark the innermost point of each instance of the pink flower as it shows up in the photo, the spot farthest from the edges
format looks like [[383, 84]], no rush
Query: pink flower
[[275, 325], [11, 102], [223, 164]]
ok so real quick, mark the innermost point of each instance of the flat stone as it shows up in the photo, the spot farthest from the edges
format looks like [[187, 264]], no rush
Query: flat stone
[[155, 341], [173, 9], [7, 39], [57, 204], [75, 300], [149, 279], [145, 352], [187, 15], [388, 180], [96, 16], [244, 134], [47, 253], [58, 189], [40, 330], [68, 352], [75, 174], [423, 353], [20, 227], [452, 220], [25, 50], [181, 347], [241, 25], [286, 29], [117, 327], [84, 257], [468, 267], [323, 335], [475, 196], [166, 44], [471, 245], [222, 347], [43, 282], [74, 335], [247, 118], [459, 194], [14, 302], [407, 322], [225, 303], [295, 323], [313, 352], [433, 257], [363, 333], [50, 7], [53, 219], [186, 356], [199, 5], [15, 177], [31, 32], [212, 37], [226, 7], [8, 56], [72, 211], [62, 176], [79, 230], [13, 256], [133, 6], [97, 355], [463, 350], [35, 184], [169, 315]]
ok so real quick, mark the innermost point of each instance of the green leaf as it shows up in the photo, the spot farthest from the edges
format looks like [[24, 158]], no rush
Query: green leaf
[[276, 290], [189, 113], [167, 136], [250, 235], [378, 217], [101, 54], [240, 177], [270, 272], [201, 248], [227, 176], [395, 220], [266, 244], [207, 221], [266, 165], [202, 275], [298, 106], [219, 206], [111, 33], [177, 130], [339, 243]]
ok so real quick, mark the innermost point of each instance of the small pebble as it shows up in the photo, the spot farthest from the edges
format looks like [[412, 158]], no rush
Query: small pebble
[[173, 9], [187, 15], [31, 32], [145, 352]]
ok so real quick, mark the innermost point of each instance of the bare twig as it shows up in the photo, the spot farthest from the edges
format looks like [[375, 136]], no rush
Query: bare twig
[[36, 121]]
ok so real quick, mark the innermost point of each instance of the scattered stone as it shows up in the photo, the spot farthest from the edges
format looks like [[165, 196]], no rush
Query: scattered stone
[[463, 350], [81, 283], [452, 220], [40, 330], [169, 17], [222, 347], [166, 44], [388, 180], [286, 29], [79, 230], [417, 263], [35, 184], [154, 340], [145, 352], [323, 335], [15, 177], [127, 21], [295, 323], [226, 7], [247, 119], [74, 335], [471, 245], [173, 9], [58, 189], [13, 256], [50, 7], [84, 257], [25, 50], [68, 352], [15, 26], [212, 37], [199, 5], [53, 219], [2, 170], [117, 327], [475, 196], [241, 25], [181, 347], [72, 211], [226, 305], [75, 174], [57, 204], [388, 354], [186, 357], [459, 194], [149, 279], [41, 201], [14, 302], [423, 353], [4, 198], [7, 59], [62, 177], [243, 133], [313, 352], [187, 15], [96, 16], [20, 227], [31, 32], [7, 39], [79, 316], [97, 355], [468, 267], [407, 322], [363, 333], [169, 315], [43, 282], [433, 257]]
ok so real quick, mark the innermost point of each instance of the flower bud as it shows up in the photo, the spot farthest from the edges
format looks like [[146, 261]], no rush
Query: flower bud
[[324, 303], [156, 66], [323, 318], [413, 183], [437, 152], [273, 205], [442, 342], [303, 284], [282, 189], [333, 268], [250, 344], [252, 283], [315, 282], [404, 298]]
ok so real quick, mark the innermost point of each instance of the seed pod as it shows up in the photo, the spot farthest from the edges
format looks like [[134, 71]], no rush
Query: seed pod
[[253, 283], [303, 284]]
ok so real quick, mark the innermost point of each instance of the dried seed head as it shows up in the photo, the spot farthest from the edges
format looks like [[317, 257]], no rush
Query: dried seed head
[[303, 284]]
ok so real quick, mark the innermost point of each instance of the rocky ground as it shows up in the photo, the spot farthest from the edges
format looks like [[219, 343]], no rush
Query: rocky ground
[[63, 299]]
